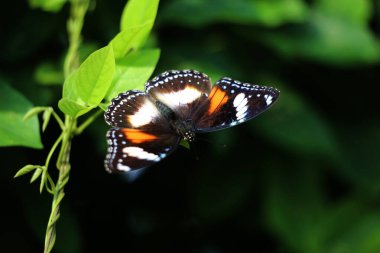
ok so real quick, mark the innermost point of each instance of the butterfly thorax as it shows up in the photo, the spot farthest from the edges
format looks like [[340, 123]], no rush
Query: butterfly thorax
[[184, 128]]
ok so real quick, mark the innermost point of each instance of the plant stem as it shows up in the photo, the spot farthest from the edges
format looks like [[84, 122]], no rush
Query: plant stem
[[74, 28], [64, 171]]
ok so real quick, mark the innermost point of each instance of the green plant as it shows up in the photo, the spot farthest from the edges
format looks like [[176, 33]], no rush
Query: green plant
[[88, 87]]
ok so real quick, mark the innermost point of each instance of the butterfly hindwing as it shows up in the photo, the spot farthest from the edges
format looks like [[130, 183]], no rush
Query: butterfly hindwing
[[141, 135], [130, 149], [181, 91], [231, 102]]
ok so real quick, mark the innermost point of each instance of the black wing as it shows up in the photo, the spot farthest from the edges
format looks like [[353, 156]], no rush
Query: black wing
[[231, 102]]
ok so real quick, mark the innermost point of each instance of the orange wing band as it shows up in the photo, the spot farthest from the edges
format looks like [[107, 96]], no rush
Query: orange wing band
[[138, 136], [218, 98]]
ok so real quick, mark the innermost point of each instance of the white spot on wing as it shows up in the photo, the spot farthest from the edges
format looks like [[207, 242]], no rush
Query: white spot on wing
[[268, 99], [123, 167], [144, 115], [185, 96], [238, 99], [141, 154], [240, 103]]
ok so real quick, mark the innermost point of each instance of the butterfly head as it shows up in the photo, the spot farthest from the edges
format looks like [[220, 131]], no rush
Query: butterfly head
[[189, 136]]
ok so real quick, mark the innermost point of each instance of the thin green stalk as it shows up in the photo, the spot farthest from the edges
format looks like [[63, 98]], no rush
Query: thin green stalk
[[88, 121], [74, 28]]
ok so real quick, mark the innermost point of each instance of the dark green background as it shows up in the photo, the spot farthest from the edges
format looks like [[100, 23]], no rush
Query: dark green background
[[302, 177]]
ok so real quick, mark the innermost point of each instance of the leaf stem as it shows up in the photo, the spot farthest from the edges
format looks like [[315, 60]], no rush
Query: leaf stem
[[88, 121], [58, 119], [51, 152]]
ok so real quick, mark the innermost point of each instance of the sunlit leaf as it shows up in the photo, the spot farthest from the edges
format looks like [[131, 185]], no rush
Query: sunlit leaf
[[73, 108], [136, 23], [130, 39], [26, 169], [95, 76], [133, 71], [139, 12]]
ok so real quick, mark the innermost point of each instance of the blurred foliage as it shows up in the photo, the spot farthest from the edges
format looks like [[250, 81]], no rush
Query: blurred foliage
[[302, 177]]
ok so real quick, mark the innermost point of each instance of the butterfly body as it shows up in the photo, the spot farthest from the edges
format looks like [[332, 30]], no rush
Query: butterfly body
[[176, 105]]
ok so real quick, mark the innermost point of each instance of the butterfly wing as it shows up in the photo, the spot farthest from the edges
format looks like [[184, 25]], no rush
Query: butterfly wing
[[141, 135], [131, 149], [231, 102], [182, 91], [134, 109]]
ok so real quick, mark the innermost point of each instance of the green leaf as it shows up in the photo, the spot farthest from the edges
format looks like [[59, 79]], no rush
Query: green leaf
[[353, 11], [362, 236], [48, 74], [46, 118], [14, 131], [327, 39], [37, 173], [137, 13], [33, 112], [136, 23], [94, 76], [130, 39], [73, 108], [268, 13], [133, 71], [70, 88], [47, 5], [43, 179], [298, 214], [26, 169], [71, 104]]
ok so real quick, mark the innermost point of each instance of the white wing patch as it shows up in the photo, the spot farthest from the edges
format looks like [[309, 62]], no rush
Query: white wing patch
[[268, 99], [238, 99], [185, 96], [144, 115], [241, 105], [141, 154], [123, 167]]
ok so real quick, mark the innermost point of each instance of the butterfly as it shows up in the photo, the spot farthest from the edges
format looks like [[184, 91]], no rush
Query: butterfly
[[147, 126]]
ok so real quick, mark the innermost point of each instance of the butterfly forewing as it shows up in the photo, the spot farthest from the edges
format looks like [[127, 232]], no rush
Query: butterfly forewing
[[182, 91], [130, 149], [134, 109], [231, 102]]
